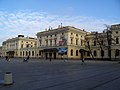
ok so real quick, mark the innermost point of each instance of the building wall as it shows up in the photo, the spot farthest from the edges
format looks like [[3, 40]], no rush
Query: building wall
[[15, 45], [60, 34], [76, 39]]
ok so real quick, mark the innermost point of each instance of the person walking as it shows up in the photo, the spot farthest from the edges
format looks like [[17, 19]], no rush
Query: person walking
[[6, 57], [83, 61], [27, 58]]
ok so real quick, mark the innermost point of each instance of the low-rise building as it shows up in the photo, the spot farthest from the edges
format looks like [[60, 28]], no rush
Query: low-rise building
[[19, 46], [66, 43], [104, 45], [63, 42]]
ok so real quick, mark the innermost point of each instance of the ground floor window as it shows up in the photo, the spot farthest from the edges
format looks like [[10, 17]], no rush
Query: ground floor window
[[29, 53], [26, 53], [95, 53], [117, 52], [71, 52], [88, 53], [20, 53], [23, 53], [32, 53], [109, 53], [39, 53], [76, 52], [102, 53]]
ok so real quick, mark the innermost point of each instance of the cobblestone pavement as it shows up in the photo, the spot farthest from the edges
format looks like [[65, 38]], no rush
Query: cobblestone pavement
[[59, 75]]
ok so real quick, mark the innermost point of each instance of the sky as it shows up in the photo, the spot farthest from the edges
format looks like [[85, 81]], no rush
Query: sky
[[28, 17]]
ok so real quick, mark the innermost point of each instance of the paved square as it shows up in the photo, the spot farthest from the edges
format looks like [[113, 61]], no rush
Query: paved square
[[60, 75]]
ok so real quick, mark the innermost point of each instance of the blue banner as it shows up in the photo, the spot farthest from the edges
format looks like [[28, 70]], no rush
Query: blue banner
[[62, 50]]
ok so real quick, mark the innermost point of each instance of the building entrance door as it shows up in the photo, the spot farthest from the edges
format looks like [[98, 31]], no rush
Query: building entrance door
[[46, 55], [54, 55]]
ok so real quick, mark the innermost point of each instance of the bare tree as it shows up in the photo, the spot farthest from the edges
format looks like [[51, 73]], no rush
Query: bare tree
[[109, 39], [87, 45], [100, 42]]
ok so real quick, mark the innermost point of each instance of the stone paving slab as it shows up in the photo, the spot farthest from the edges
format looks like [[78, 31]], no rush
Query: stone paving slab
[[59, 75]]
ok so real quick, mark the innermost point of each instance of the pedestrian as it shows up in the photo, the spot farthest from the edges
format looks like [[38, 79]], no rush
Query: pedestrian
[[83, 61], [27, 58], [9, 59], [6, 57]]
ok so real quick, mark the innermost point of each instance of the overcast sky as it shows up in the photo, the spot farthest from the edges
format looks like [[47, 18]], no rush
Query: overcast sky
[[31, 16]]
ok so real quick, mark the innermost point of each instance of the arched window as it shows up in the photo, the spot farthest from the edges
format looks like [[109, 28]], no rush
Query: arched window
[[23, 53], [76, 52], [71, 41], [20, 53], [71, 52], [95, 53], [117, 40], [109, 53], [29, 53], [76, 41], [94, 43], [88, 53], [117, 52], [32, 53], [39, 53], [26, 53], [102, 53]]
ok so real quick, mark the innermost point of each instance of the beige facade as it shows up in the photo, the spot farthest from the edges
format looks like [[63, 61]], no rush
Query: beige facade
[[49, 42], [19, 46], [99, 41], [66, 42]]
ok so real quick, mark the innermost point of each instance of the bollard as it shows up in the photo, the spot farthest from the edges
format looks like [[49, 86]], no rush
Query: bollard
[[8, 79]]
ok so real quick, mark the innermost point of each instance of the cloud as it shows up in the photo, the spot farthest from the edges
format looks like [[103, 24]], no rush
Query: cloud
[[29, 22]]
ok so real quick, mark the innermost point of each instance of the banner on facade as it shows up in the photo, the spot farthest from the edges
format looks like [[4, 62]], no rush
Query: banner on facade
[[62, 50], [63, 42]]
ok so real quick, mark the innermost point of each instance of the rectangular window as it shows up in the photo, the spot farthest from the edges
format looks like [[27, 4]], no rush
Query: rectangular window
[[88, 53], [94, 43], [23, 53], [76, 41], [55, 42], [22, 46], [46, 42], [20, 53], [32, 53], [39, 53], [95, 53], [76, 52], [71, 41], [50, 42], [71, 52], [40, 42], [81, 43]]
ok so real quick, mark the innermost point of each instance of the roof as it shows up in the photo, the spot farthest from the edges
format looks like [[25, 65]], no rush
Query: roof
[[66, 28]]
